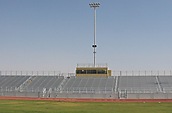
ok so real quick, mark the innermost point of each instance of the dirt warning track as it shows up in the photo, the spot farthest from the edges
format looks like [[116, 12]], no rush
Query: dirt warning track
[[85, 99]]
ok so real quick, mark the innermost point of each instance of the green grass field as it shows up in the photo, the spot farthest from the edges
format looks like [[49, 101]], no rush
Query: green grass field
[[22, 106]]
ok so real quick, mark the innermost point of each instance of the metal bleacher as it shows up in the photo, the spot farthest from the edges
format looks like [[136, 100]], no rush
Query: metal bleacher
[[89, 84], [140, 84], [44, 82], [11, 82], [155, 85], [132, 84], [29, 83], [166, 83]]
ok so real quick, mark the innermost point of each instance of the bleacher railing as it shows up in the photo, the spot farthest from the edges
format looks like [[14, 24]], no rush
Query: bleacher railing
[[142, 73], [58, 73], [35, 73], [92, 65]]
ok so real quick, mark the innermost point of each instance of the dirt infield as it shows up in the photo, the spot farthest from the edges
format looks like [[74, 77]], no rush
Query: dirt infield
[[85, 99]]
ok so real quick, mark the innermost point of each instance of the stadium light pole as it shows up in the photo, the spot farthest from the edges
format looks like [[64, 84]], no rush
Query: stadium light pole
[[94, 6]]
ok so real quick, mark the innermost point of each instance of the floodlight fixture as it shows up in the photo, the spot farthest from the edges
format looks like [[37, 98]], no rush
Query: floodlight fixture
[[94, 5]]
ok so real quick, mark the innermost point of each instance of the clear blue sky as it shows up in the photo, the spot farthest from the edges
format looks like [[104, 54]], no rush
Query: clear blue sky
[[58, 34]]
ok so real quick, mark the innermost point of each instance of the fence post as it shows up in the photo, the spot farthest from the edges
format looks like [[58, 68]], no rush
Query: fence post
[[132, 73], [145, 73], [139, 73]]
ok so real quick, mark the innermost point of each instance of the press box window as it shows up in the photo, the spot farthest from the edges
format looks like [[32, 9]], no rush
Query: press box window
[[91, 71], [81, 71]]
